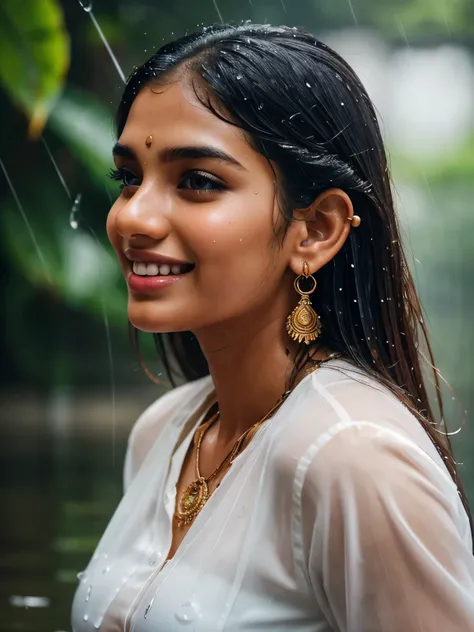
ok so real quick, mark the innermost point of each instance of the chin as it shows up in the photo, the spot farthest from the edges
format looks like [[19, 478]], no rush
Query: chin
[[152, 318]]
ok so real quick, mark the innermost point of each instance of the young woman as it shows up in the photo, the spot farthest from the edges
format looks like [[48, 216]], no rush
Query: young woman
[[298, 480]]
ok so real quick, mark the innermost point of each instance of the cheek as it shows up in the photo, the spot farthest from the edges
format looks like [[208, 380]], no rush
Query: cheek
[[241, 227]]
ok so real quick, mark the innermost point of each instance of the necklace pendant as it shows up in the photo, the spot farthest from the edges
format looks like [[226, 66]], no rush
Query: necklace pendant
[[192, 501]]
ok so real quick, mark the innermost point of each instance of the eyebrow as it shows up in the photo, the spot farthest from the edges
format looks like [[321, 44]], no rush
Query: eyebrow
[[174, 154]]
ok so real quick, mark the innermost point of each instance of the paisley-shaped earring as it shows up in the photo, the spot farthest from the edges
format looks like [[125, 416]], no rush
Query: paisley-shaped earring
[[303, 324]]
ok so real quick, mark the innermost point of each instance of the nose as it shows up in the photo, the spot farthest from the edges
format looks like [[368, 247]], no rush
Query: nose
[[143, 214]]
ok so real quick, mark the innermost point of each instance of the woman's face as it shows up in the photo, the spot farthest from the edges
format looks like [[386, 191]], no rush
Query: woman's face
[[215, 215]]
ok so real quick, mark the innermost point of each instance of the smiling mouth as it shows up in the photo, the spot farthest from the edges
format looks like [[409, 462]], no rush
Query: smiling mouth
[[141, 268]]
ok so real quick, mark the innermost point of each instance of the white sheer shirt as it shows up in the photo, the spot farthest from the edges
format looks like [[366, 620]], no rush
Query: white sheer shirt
[[339, 516]]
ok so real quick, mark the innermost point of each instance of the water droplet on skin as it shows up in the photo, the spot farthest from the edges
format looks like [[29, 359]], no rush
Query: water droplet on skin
[[188, 612]]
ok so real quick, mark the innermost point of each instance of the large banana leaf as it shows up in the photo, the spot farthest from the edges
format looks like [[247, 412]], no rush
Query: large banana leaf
[[34, 56]]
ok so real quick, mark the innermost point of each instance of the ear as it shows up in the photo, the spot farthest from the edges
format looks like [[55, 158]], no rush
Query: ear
[[319, 231]]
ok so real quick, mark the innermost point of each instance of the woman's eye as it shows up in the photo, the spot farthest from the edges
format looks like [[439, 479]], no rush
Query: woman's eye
[[201, 182], [125, 176]]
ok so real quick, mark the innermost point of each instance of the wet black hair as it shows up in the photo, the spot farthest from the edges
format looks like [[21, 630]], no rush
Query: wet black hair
[[303, 107]]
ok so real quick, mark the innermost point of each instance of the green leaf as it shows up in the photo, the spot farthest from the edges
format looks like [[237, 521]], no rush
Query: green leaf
[[34, 56], [86, 126]]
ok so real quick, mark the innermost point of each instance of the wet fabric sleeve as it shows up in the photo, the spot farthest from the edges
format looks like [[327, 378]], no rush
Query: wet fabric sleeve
[[386, 542]]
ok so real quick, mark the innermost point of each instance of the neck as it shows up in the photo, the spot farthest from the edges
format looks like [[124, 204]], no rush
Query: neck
[[250, 368]]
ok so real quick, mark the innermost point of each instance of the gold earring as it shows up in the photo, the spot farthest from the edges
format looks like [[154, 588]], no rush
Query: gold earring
[[355, 221], [303, 324]]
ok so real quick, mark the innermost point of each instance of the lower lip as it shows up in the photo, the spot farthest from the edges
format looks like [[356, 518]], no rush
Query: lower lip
[[138, 283]]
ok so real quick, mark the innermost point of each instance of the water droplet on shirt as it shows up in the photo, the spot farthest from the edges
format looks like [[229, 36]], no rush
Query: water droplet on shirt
[[86, 617], [154, 557], [89, 590], [187, 612], [106, 570]]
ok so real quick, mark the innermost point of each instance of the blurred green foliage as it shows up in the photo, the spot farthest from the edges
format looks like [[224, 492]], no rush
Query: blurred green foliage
[[34, 49]]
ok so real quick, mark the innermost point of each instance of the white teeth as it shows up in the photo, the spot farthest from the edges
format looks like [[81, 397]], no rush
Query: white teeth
[[153, 269], [164, 269]]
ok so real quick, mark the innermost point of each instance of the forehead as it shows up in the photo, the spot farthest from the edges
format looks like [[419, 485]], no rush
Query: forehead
[[173, 111]]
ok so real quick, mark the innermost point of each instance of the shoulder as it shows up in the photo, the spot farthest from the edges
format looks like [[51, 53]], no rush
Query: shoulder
[[339, 397], [172, 407]]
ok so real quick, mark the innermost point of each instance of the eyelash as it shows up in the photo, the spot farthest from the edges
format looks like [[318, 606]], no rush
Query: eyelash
[[121, 173]]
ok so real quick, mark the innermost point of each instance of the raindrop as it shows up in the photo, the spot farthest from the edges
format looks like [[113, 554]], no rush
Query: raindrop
[[88, 9], [188, 612], [25, 219], [152, 560], [75, 209], [87, 6]]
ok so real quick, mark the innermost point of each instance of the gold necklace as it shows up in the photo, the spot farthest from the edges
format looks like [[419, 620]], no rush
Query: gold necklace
[[196, 494]]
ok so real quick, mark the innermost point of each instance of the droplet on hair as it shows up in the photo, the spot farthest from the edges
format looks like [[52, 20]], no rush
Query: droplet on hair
[[260, 106], [308, 84], [239, 77], [352, 265], [342, 103]]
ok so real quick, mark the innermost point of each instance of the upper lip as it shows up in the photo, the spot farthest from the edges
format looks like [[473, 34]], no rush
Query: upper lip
[[152, 257]]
